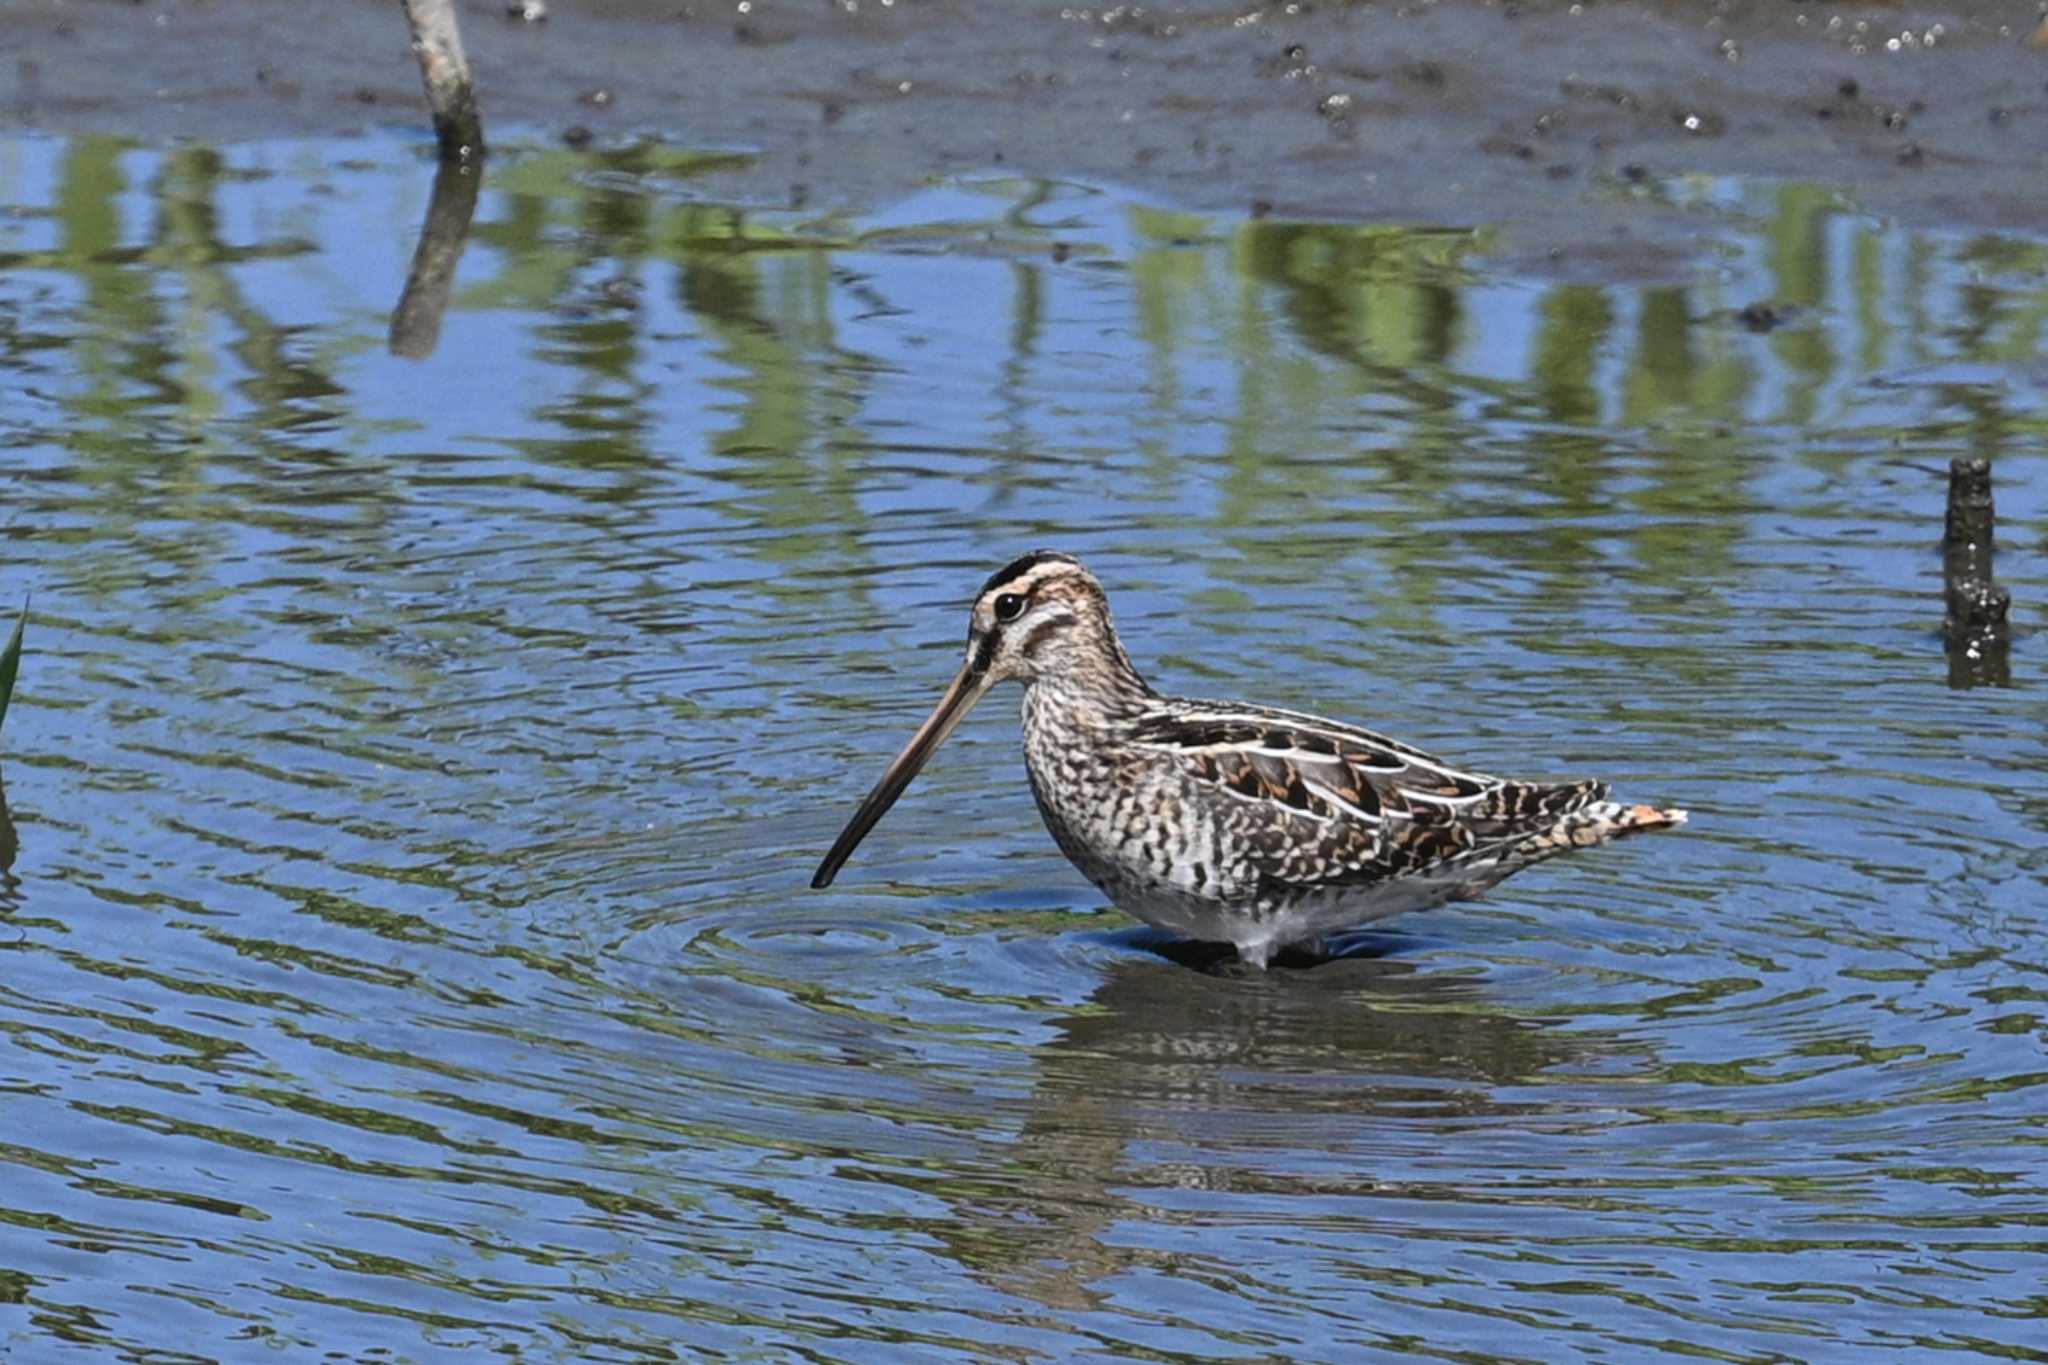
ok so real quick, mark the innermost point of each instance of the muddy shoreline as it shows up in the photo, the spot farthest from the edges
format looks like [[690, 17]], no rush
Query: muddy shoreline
[[1571, 130]]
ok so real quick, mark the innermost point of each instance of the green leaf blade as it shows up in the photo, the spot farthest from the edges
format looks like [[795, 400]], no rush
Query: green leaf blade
[[10, 662]]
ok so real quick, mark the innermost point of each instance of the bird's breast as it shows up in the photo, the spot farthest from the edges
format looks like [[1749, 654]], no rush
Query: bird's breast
[[1128, 819]]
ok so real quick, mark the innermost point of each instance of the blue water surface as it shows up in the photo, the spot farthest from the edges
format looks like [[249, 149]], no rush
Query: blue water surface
[[418, 765]]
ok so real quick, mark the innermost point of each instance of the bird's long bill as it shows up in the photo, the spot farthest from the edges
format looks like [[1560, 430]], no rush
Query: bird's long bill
[[968, 688]]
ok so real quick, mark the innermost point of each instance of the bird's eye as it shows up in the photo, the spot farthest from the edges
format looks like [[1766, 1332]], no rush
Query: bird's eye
[[1009, 607]]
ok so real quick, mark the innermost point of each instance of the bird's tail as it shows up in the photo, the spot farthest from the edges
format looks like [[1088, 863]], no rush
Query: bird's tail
[[1601, 821], [1596, 822]]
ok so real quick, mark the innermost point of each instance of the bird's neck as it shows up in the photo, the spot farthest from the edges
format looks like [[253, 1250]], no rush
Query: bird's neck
[[1090, 689]]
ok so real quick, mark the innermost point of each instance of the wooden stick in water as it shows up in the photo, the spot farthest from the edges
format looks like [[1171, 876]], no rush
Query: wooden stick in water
[[451, 93], [1976, 628]]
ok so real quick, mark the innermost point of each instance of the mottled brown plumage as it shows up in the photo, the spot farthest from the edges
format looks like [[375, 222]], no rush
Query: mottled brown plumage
[[1223, 821]]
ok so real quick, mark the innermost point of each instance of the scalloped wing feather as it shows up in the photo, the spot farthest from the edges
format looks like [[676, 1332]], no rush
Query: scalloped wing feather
[[1384, 809]]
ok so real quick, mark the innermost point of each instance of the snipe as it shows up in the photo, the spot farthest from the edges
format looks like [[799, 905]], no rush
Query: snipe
[[1225, 822]]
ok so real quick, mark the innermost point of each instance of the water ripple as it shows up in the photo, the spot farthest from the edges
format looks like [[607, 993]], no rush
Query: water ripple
[[419, 767]]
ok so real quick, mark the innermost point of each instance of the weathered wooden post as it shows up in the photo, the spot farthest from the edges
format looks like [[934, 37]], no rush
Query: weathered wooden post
[[1975, 627], [451, 93]]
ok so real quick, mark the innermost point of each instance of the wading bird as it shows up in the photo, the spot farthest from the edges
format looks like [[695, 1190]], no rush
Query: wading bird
[[1221, 821]]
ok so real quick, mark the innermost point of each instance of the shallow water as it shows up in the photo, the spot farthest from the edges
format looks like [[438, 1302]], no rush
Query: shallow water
[[418, 766]]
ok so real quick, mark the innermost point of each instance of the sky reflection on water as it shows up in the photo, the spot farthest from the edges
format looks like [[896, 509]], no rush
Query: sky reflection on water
[[418, 766]]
